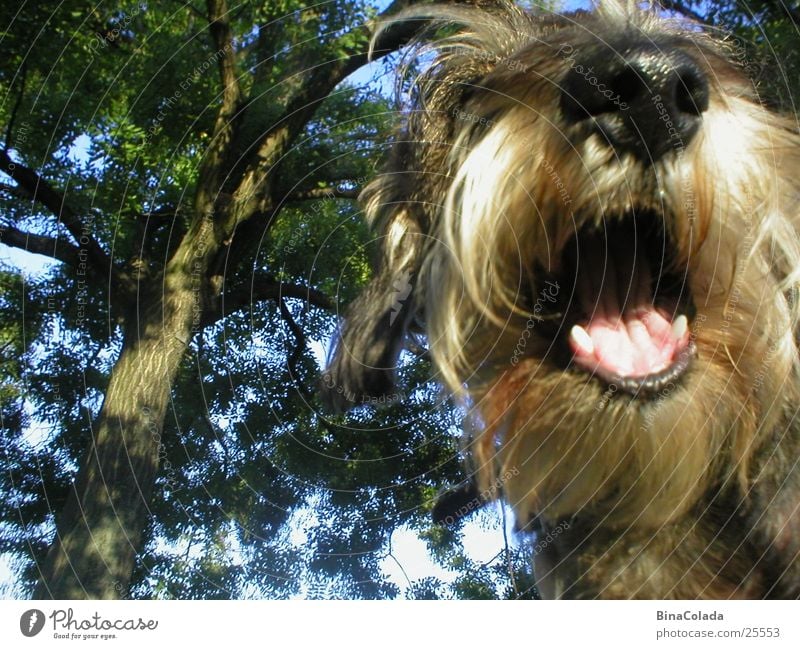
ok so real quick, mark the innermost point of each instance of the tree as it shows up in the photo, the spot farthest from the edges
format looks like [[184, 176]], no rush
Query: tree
[[158, 232], [763, 38]]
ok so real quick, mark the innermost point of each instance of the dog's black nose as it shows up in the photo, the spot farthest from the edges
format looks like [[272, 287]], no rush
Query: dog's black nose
[[646, 102]]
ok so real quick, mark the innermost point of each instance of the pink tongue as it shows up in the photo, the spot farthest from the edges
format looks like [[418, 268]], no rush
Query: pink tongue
[[624, 334], [632, 345]]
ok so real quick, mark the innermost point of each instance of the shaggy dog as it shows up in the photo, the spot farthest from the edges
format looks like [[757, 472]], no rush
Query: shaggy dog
[[590, 220]]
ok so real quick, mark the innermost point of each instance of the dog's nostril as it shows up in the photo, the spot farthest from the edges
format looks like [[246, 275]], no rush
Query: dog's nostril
[[603, 89], [691, 91], [578, 104], [628, 86]]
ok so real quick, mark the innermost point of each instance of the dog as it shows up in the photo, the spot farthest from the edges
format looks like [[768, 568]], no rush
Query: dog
[[590, 221]]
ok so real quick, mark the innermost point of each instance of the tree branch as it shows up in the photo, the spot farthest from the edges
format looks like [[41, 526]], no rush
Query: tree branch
[[190, 7], [222, 37], [46, 195], [326, 76], [418, 350], [12, 190], [300, 340], [792, 12], [41, 245], [241, 298], [10, 128], [164, 214], [321, 193], [682, 8], [274, 290], [213, 166], [251, 193]]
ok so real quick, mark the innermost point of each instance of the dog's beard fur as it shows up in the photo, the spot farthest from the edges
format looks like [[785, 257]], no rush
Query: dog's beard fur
[[689, 491]]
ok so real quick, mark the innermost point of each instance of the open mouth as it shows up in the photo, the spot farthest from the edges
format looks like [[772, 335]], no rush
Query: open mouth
[[627, 321]]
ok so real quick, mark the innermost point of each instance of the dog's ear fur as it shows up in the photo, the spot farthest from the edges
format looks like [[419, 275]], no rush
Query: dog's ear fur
[[457, 502], [363, 363], [399, 208]]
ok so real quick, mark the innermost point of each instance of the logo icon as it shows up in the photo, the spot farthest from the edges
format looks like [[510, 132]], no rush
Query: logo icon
[[31, 622], [402, 287]]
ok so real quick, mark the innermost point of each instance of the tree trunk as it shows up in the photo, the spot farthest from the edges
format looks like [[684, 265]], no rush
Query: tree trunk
[[99, 532]]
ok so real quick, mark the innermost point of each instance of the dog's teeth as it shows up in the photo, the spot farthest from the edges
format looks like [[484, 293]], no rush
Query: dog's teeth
[[679, 327], [582, 339]]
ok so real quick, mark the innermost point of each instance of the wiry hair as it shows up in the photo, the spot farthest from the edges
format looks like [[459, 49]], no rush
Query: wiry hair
[[485, 189]]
